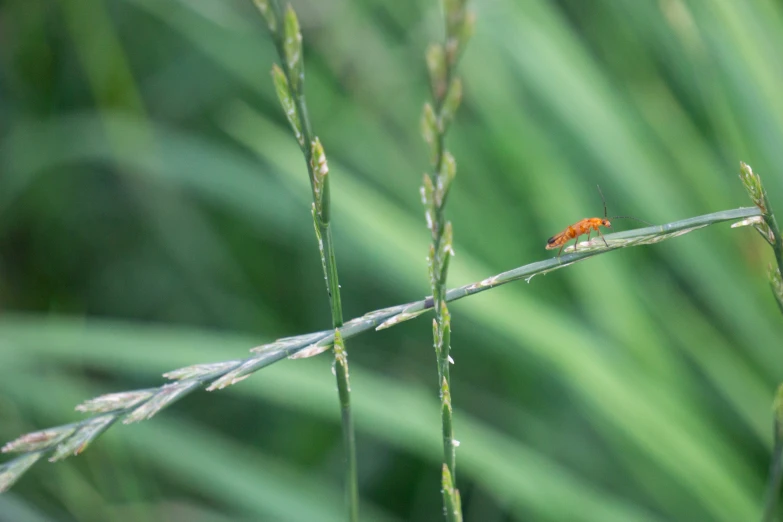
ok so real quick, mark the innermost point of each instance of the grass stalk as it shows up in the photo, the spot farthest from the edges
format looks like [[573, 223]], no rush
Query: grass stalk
[[767, 226], [776, 463], [442, 60], [132, 406], [287, 37]]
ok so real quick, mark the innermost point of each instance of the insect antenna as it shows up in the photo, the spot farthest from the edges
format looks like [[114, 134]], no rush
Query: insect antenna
[[631, 217], [602, 199], [618, 217]]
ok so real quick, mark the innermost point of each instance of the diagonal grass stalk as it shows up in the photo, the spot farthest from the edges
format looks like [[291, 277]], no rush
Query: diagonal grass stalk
[[289, 83], [132, 406]]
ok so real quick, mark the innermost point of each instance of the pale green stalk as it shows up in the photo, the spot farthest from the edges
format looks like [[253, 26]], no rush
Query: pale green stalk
[[767, 226], [133, 406]]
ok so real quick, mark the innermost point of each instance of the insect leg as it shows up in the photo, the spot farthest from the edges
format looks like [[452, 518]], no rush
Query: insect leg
[[602, 236], [576, 242], [588, 235]]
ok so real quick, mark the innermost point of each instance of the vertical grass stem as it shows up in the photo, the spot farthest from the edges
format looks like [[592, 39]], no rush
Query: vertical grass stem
[[446, 92], [768, 227], [288, 43]]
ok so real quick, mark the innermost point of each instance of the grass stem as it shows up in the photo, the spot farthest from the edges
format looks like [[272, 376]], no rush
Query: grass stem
[[446, 93], [288, 43], [767, 226], [133, 406], [775, 473]]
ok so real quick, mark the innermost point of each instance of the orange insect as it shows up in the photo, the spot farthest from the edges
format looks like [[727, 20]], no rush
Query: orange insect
[[585, 226]]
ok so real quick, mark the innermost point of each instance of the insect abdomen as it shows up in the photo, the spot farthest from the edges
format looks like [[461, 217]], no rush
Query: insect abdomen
[[556, 241]]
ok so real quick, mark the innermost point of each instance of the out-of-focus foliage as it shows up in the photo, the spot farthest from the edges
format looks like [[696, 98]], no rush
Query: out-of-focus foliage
[[154, 213]]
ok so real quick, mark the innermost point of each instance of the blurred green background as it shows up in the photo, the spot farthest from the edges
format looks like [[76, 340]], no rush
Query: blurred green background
[[154, 213]]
